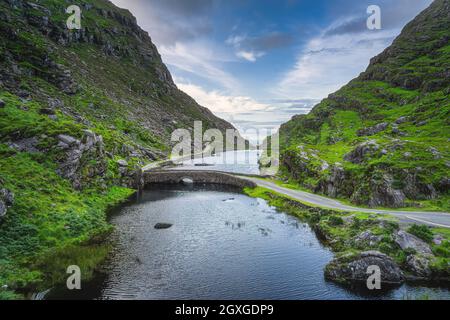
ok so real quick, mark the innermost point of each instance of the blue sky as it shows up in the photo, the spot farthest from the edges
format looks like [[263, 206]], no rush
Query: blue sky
[[257, 63]]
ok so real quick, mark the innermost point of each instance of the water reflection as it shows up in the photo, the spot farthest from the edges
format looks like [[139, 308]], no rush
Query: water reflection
[[222, 245]]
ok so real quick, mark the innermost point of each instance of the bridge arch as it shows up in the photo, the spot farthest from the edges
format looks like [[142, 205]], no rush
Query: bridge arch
[[196, 176]]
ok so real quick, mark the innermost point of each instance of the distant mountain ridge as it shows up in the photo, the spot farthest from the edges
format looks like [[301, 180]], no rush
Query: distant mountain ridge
[[383, 139]]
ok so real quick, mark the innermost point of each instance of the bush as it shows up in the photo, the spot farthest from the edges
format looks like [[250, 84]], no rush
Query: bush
[[422, 232], [443, 250], [336, 221]]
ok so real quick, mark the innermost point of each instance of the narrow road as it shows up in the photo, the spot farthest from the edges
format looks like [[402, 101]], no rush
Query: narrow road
[[435, 219]]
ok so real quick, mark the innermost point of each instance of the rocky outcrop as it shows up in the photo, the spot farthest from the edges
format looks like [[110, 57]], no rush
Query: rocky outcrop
[[362, 151], [367, 238], [406, 241], [6, 200], [419, 266], [348, 269], [373, 130], [383, 194], [84, 159]]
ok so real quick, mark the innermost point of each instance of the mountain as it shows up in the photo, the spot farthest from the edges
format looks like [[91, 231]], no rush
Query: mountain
[[383, 139], [80, 112]]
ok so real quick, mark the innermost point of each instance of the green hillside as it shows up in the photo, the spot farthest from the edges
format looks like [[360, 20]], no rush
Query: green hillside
[[80, 112], [383, 139]]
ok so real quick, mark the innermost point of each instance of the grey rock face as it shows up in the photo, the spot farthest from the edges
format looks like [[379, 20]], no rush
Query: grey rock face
[[383, 194], [25, 145], [69, 140], [355, 269], [122, 163], [6, 201], [333, 185], [373, 130], [84, 159], [415, 189], [368, 237], [419, 265], [406, 240], [363, 150]]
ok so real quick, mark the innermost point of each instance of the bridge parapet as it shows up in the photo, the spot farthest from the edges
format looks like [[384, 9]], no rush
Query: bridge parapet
[[197, 176]]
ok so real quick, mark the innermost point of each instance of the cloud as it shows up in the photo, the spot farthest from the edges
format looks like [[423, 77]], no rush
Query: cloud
[[200, 59], [252, 48], [218, 102], [249, 55], [171, 21], [333, 58]]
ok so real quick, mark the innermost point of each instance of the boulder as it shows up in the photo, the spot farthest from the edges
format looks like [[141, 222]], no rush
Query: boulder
[[163, 225], [367, 237], [383, 193], [359, 154], [25, 145], [122, 163], [3, 209], [69, 140], [419, 265], [350, 269], [6, 201], [406, 240], [370, 131], [84, 160], [401, 120], [2, 103]]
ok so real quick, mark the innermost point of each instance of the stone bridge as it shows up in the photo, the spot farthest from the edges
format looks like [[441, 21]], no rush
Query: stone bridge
[[197, 176]]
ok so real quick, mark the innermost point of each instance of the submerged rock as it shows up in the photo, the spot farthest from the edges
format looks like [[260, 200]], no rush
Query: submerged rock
[[163, 225], [350, 269]]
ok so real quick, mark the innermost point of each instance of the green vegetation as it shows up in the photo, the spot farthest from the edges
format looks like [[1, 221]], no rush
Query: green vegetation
[[401, 106], [106, 88], [422, 232]]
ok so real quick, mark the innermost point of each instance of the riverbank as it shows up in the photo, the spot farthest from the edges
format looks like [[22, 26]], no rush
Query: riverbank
[[50, 227], [417, 254]]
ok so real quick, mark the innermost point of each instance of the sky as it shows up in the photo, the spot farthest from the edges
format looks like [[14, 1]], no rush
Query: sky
[[256, 63]]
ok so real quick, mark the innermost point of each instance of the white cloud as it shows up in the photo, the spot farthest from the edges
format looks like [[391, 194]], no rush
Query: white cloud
[[236, 41], [330, 61], [200, 59], [221, 103], [249, 55]]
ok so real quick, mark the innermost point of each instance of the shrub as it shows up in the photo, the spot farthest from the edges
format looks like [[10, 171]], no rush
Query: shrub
[[422, 232], [336, 221]]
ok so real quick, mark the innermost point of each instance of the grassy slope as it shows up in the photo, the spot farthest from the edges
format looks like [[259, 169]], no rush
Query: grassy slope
[[329, 132]]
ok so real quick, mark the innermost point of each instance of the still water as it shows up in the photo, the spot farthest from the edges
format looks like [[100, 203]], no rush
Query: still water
[[222, 245]]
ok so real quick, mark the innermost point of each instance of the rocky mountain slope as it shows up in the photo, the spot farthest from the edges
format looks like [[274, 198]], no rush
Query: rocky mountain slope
[[383, 139], [80, 112]]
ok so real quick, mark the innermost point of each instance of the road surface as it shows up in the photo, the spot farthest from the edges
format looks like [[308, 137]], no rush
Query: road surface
[[435, 219]]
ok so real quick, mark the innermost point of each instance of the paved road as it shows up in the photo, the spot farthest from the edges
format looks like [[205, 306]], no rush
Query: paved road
[[436, 219]]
